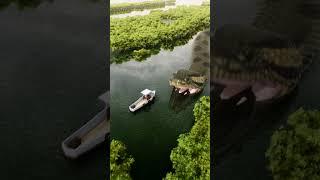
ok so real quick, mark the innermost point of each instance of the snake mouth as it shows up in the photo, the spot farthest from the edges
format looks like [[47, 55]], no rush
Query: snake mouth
[[263, 90], [187, 91]]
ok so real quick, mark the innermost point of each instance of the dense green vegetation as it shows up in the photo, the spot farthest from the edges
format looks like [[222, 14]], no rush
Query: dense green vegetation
[[294, 152], [191, 158], [123, 8], [120, 161], [139, 37]]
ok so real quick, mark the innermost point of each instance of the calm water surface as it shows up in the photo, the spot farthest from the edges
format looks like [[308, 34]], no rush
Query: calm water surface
[[152, 132], [52, 69]]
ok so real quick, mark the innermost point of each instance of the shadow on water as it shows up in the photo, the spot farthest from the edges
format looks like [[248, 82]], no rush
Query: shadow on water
[[238, 124], [179, 102]]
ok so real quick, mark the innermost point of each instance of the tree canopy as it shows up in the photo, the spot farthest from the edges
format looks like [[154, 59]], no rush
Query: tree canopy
[[294, 152], [120, 161], [191, 158]]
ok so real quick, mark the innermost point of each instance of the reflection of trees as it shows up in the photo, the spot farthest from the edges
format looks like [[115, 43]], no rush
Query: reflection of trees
[[179, 102]]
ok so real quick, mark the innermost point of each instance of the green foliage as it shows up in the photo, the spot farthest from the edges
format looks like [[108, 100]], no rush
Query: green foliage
[[191, 158], [123, 8], [139, 37], [120, 161], [142, 54], [294, 152]]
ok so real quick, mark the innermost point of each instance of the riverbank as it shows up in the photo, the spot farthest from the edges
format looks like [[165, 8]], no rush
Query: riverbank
[[123, 8]]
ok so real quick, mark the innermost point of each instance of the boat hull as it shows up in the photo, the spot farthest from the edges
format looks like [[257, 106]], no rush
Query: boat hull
[[90, 135], [138, 104]]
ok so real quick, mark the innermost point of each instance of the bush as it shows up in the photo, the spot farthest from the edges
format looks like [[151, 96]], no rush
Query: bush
[[120, 161], [138, 37], [294, 152], [191, 158]]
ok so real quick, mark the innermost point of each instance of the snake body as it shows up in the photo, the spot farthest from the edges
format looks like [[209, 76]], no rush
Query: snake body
[[247, 57], [192, 80]]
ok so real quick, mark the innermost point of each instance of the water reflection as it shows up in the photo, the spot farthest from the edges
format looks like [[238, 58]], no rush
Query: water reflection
[[179, 102], [228, 128]]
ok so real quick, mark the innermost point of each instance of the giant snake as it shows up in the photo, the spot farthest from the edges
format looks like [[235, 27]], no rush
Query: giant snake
[[269, 56]]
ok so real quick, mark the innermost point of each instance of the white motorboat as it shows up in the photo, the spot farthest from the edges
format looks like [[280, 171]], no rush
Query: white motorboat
[[147, 96]]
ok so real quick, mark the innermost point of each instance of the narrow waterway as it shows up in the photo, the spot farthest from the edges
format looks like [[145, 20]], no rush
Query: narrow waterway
[[151, 133]]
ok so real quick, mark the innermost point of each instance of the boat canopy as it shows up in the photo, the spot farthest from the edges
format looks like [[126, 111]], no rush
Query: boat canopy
[[146, 92]]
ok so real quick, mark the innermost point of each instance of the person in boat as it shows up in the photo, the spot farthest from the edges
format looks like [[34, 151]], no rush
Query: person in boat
[[147, 97]]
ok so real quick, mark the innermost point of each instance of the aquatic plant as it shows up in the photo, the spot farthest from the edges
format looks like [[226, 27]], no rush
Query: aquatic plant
[[294, 152], [120, 161], [123, 8], [139, 37], [191, 158]]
